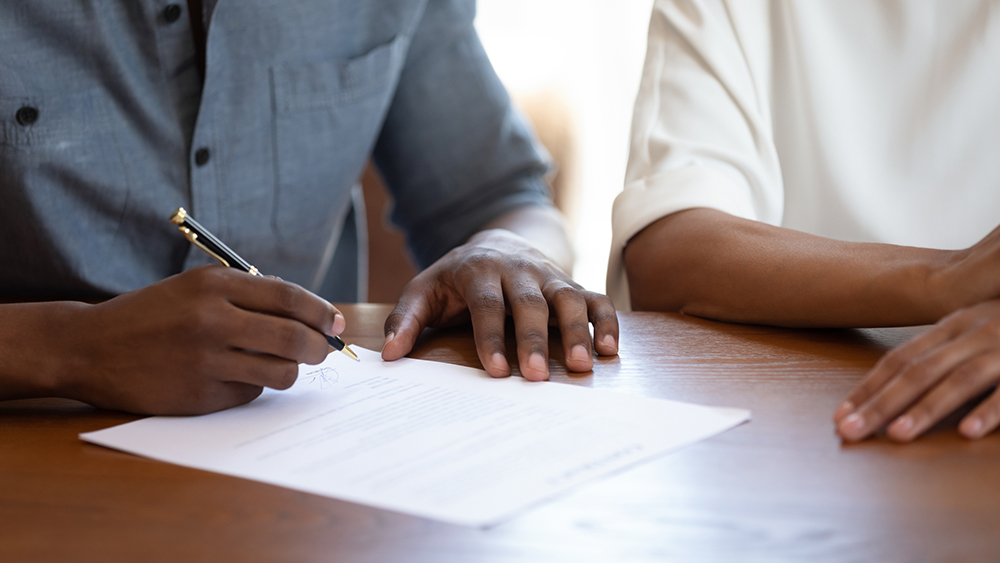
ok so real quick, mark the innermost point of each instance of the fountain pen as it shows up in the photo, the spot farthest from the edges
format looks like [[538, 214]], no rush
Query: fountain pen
[[200, 237]]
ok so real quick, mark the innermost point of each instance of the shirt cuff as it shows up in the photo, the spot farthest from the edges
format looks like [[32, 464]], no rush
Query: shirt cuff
[[649, 199]]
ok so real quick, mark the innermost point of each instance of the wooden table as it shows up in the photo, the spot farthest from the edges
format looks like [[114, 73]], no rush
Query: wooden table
[[782, 487]]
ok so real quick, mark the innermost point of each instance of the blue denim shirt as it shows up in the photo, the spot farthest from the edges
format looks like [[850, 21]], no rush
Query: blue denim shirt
[[297, 95]]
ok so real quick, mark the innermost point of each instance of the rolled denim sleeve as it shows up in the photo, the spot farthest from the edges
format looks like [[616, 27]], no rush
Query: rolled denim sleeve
[[454, 152]]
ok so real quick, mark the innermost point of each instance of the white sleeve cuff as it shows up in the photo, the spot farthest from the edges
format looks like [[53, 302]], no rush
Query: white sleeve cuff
[[645, 201]]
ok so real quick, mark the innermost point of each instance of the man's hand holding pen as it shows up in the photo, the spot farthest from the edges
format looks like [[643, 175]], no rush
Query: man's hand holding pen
[[201, 341]]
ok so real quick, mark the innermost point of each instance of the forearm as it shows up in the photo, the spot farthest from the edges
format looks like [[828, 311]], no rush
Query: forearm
[[710, 264], [541, 226]]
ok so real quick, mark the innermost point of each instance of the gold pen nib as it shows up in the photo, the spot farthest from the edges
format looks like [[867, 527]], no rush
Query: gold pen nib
[[350, 353]]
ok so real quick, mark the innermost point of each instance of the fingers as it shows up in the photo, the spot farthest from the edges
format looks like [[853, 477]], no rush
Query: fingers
[[889, 366], [530, 310], [983, 419], [429, 299], [271, 296], [918, 384], [281, 337], [605, 319], [489, 314], [965, 382], [915, 377], [493, 273], [258, 370], [571, 310], [218, 397]]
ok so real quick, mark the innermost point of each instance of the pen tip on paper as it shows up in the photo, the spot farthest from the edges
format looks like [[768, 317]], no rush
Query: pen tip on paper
[[350, 354]]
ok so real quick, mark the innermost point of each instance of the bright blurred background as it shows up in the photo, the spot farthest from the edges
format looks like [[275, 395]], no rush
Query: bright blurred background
[[574, 67]]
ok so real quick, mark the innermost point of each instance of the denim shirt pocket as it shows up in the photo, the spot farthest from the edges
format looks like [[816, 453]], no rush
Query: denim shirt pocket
[[327, 116], [61, 158]]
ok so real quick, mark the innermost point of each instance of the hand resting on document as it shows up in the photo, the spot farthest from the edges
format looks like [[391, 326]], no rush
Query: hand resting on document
[[496, 273]]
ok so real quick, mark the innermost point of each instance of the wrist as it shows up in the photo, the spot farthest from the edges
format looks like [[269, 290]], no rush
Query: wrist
[[68, 367], [540, 227], [948, 285], [38, 350]]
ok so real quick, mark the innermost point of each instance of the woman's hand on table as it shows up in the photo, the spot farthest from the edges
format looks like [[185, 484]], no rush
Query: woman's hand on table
[[919, 383]]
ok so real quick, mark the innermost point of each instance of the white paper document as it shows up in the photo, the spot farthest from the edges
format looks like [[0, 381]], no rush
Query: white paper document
[[424, 438]]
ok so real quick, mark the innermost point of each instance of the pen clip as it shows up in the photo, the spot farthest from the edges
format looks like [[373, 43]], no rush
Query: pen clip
[[193, 238]]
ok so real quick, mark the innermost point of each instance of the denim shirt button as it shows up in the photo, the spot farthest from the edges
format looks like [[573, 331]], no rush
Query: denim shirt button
[[26, 116], [201, 156], [172, 13]]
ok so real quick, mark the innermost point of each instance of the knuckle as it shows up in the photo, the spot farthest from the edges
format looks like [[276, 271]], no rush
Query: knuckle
[[977, 370], [292, 339], [533, 335], [217, 278], [566, 292], [200, 357], [478, 261], [489, 300], [318, 351], [286, 375], [860, 393], [521, 263], [577, 326], [601, 304], [604, 316], [491, 342], [895, 359], [203, 322], [866, 390], [966, 375], [915, 372], [288, 298], [529, 299], [204, 280], [393, 320]]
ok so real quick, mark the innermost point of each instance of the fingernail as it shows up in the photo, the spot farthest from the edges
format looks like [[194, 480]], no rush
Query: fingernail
[[579, 354], [902, 425], [609, 343], [843, 410], [852, 425], [388, 339], [499, 364], [339, 324], [537, 363], [972, 427]]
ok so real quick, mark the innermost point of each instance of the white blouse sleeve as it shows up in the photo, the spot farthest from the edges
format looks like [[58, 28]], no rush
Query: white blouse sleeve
[[701, 131]]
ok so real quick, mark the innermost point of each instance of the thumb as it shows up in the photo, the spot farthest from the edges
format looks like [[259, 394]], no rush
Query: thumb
[[405, 323]]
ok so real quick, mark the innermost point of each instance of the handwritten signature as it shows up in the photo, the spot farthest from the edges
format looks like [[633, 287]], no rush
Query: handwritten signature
[[324, 378]]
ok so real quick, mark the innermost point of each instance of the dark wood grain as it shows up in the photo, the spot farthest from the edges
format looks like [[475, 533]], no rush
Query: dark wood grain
[[781, 487]]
